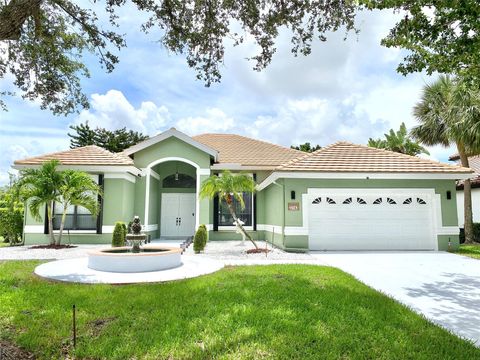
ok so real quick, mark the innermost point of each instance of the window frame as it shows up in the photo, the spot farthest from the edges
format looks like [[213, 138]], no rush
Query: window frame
[[232, 227]]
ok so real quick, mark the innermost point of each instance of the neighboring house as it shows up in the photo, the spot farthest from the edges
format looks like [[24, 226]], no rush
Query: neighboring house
[[474, 162], [342, 197]]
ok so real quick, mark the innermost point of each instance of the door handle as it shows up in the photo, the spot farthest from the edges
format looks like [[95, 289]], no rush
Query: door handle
[[179, 221], [176, 221]]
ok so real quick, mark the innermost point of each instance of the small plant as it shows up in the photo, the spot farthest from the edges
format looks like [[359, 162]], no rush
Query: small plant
[[125, 231], [200, 239], [118, 237]]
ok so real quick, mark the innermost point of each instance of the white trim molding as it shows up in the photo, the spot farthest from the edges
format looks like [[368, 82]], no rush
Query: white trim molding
[[360, 175], [172, 133], [124, 176], [148, 172], [204, 171], [270, 228]]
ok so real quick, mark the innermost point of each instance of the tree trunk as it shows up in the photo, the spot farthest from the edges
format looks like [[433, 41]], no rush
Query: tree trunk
[[62, 224], [14, 14], [467, 198], [239, 225], [50, 222]]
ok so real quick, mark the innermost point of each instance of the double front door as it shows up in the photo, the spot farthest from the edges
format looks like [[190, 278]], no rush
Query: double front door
[[177, 215]]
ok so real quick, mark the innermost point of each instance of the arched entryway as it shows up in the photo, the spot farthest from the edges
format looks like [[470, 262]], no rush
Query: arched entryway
[[172, 197]]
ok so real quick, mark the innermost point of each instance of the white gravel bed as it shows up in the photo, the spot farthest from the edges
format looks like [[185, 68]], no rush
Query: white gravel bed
[[234, 251], [27, 253]]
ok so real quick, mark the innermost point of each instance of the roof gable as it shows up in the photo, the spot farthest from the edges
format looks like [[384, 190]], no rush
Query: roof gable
[[348, 157], [172, 132], [85, 155]]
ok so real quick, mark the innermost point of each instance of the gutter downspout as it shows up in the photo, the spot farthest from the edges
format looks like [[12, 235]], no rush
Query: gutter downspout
[[283, 211]]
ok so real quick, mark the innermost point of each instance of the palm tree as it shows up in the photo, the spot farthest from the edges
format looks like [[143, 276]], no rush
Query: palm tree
[[46, 185], [79, 189], [229, 187], [398, 141], [40, 188], [449, 114]]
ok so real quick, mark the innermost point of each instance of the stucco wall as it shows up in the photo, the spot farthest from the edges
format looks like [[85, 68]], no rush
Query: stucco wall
[[475, 206]]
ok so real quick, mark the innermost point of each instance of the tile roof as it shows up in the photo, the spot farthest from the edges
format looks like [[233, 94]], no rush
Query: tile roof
[[348, 157], [86, 155], [237, 149], [474, 163]]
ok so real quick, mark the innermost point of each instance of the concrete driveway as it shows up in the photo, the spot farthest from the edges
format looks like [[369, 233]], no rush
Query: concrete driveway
[[442, 286]]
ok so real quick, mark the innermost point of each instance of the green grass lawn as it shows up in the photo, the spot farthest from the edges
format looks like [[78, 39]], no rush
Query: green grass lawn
[[472, 251], [252, 312]]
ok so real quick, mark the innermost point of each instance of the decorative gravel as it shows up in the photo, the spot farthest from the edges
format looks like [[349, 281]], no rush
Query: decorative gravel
[[232, 252]]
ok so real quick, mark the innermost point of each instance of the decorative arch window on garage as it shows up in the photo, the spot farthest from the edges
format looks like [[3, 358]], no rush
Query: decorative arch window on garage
[[77, 217]]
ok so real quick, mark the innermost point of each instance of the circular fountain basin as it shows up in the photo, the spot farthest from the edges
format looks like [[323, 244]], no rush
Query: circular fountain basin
[[121, 259]]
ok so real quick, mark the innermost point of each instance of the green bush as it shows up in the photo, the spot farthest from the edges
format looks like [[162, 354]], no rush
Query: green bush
[[476, 233], [125, 231], [11, 225], [200, 239], [118, 237]]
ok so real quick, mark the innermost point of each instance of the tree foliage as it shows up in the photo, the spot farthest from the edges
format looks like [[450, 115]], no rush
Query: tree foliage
[[441, 36], [11, 213], [47, 185], [449, 114], [114, 141], [42, 42], [306, 147], [398, 141], [229, 186]]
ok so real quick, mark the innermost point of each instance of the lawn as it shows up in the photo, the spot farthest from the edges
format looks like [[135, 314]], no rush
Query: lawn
[[278, 311], [472, 251]]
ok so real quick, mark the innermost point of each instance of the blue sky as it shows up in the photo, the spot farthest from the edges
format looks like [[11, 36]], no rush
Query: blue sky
[[345, 90]]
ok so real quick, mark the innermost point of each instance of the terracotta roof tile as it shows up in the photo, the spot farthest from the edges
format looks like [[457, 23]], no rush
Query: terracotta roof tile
[[237, 149], [348, 157], [86, 155], [474, 162]]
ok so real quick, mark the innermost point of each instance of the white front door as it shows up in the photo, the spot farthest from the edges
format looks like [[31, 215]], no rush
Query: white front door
[[177, 215], [378, 219]]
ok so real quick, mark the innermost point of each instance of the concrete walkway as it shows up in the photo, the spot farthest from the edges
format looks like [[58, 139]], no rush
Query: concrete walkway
[[442, 286]]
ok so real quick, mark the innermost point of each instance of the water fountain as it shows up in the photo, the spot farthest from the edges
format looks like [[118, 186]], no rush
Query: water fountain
[[134, 257]]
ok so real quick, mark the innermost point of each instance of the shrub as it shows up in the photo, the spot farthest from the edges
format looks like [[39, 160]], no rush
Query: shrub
[[476, 233], [125, 232], [200, 239], [118, 237]]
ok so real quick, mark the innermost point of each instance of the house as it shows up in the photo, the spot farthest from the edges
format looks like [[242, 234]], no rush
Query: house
[[474, 162], [342, 197]]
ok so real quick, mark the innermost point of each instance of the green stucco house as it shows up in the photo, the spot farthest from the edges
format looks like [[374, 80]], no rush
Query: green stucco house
[[342, 197]]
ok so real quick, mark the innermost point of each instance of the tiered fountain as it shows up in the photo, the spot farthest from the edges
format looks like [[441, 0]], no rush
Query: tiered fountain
[[134, 257]]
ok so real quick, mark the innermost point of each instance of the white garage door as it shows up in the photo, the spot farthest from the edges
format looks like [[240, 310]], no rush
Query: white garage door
[[371, 220]]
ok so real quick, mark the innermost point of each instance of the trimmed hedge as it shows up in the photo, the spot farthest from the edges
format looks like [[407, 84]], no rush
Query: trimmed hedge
[[200, 239], [119, 233], [476, 233]]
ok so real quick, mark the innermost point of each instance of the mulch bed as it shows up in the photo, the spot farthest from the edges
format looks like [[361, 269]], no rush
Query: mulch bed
[[9, 351], [55, 247], [258, 251]]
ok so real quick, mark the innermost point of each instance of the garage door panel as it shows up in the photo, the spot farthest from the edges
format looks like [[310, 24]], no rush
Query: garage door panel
[[379, 221]]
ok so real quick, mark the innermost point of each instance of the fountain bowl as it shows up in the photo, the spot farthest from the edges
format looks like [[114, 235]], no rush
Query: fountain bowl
[[122, 260]]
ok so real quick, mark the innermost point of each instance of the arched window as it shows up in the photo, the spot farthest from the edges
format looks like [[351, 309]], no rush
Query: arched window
[[317, 200], [391, 201], [378, 201], [179, 181], [330, 201], [347, 201], [421, 201], [408, 201], [361, 201]]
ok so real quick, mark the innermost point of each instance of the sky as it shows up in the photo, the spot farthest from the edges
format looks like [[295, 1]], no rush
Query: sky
[[344, 90]]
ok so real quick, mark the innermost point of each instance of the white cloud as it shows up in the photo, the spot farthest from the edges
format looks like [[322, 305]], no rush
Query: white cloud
[[214, 120], [113, 111]]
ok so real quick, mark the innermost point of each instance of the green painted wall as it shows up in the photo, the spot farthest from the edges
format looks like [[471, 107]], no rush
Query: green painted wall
[[34, 239], [118, 201], [171, 147]]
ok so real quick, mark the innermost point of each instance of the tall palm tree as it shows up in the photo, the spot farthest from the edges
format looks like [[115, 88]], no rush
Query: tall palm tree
[[229, 187], [449, 114], [79, 189], [40, 188], [398, 141], [46, 186]]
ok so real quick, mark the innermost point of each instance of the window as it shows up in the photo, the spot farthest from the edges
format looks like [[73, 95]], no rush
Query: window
[[317, 200], [330, 201], [347, 201], [378, 201], [78, 218], [421, 201], [407, 201], [179, 181], [391, 201], [245, 214], [361, 201]]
